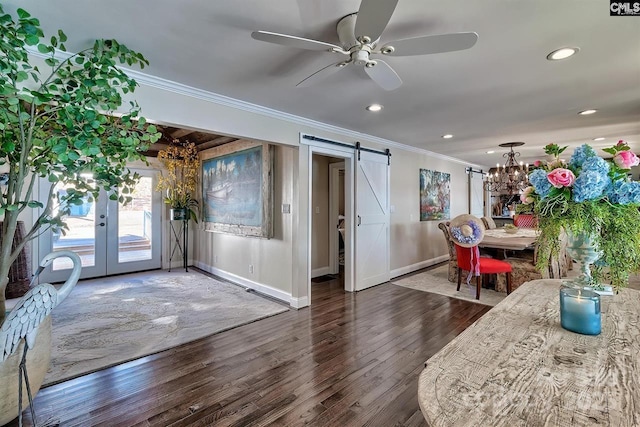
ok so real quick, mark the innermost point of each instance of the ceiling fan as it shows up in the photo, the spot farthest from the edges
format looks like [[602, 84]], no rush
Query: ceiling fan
[[359, 33]]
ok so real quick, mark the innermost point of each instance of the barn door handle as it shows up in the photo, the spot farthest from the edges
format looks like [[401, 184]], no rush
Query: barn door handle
[[359, 220]]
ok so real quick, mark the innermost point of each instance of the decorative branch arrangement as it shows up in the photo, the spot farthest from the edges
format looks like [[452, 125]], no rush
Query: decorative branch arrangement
[[179, 181]]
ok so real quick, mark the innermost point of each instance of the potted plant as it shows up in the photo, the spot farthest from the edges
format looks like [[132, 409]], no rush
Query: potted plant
[[58, 121], [595, 203], [179, 179]]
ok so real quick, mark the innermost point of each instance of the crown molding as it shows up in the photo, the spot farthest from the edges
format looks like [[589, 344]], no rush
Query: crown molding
[[215, 98]]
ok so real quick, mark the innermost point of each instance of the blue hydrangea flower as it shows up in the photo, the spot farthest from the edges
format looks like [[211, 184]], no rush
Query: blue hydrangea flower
[[624, 193], [580, 155], [592, 182], [538, 178]]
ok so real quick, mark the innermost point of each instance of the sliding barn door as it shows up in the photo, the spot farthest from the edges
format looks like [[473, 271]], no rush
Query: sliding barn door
[[476, 194], [372, 221]]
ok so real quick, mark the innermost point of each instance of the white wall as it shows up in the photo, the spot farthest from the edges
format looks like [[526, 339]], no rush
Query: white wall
[[416, 244], [280, 265]]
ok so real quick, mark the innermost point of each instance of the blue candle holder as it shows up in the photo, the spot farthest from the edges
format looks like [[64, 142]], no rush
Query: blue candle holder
[[580, 311]]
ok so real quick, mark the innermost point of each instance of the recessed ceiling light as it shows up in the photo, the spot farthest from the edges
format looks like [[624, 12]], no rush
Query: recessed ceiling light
[[587, 112], [447, 136], [598, 139], [490, 152], [562, 53], [374, 107]]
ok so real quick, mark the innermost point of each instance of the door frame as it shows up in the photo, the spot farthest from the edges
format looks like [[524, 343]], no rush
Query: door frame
[[301, 292], [334, 202]]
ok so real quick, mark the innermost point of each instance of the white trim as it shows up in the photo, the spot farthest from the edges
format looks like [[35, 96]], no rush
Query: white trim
[[334, 212], [317, 272], [306, 157], [182, 89], [258, 287], [418, 266], [299, 302]]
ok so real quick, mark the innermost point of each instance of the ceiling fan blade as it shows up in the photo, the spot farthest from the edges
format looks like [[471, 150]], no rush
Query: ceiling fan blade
[[373, 17], [322, 73], [384, 75], [293, 41], [431, 44]]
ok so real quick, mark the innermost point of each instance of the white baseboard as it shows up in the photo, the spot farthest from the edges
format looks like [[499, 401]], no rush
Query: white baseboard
[[317, 272], [258, 287], [299, 302], [420, 265]]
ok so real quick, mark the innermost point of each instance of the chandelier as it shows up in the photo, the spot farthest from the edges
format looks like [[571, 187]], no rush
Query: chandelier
[[511, 178]]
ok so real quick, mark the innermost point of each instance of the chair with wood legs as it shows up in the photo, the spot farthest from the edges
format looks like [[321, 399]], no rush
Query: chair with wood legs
[[453, 263], [486, 266]]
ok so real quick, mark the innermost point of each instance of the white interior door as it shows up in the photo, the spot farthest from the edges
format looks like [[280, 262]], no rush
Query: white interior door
[[372, 221], [109, 238], [476, 194]]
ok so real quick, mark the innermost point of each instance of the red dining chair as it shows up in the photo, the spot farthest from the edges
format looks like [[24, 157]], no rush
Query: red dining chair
[[525, 221], [487, 266]]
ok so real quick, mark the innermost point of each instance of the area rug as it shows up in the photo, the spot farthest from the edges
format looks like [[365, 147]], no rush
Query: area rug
[[105, 322], [435, 281]]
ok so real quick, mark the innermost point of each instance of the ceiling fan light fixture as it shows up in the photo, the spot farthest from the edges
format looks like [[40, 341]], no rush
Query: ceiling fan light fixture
[[490, 151], [447, 136], [587, 112], [562, 53], [374, 107]]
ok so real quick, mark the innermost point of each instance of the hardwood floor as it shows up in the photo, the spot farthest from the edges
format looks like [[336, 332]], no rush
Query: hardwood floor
[[349, 360]]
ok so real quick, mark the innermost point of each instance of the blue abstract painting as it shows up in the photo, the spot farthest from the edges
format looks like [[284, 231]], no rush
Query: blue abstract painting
[[232, 188]]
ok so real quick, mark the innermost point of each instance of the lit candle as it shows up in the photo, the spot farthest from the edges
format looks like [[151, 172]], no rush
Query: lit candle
[[580, 311]]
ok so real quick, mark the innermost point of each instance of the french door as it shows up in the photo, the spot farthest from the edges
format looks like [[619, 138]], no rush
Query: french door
[[109, 237]]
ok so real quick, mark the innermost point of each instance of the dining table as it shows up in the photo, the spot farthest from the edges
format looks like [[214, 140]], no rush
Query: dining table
[[517, 367], [500, 238]]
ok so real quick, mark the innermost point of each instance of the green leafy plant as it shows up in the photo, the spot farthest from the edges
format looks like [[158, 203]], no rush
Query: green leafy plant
[[593, 196], [62, 125]]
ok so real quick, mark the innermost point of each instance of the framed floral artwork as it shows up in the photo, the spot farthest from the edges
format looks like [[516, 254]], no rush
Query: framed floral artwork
[[435, 196]]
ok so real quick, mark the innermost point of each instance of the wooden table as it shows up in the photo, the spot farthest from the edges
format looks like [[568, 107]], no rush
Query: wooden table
[[517, 367], [499, 239]]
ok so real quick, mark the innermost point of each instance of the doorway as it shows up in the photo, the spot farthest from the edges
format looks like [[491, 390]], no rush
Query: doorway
[[110, 238], [367, 216]]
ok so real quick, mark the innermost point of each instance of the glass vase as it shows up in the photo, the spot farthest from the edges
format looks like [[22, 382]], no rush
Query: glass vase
[[582, 248]]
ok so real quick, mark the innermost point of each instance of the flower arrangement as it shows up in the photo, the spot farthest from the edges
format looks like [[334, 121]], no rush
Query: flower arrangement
[[592, 196], [182, 167]]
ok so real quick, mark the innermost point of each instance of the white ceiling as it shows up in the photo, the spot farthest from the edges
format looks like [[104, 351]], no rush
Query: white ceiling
[[503, 89]]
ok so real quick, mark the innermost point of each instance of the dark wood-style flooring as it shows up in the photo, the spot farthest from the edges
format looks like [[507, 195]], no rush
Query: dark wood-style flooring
[[349, 360]]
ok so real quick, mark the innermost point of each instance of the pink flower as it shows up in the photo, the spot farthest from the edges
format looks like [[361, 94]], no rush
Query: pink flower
[[621, 142], [626, 159], [537, 163], [525, 196], [561, 177]]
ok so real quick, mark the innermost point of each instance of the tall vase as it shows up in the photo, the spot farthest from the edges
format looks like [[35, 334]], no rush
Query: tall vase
[[583, 249]]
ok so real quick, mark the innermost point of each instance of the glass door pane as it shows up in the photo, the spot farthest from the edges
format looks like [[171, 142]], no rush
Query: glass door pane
[[85, 235], [135, 231], [137, 228], [80, 237]]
